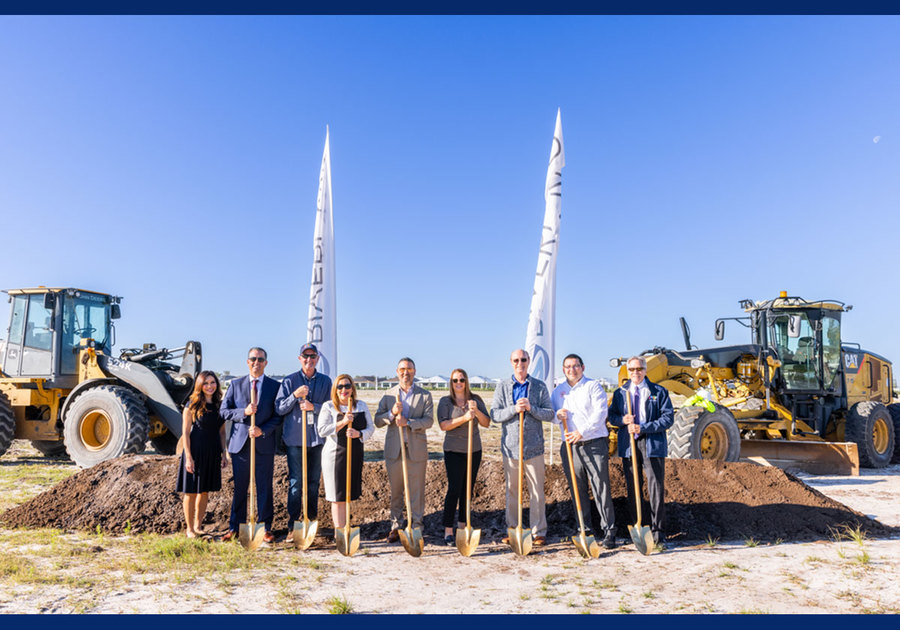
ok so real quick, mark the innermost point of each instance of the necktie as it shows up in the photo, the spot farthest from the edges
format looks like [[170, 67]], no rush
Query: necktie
[[636, 407], [255, 390]]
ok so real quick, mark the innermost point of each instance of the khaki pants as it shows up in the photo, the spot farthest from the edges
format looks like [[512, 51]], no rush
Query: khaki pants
[[534, 482], [416, 479]]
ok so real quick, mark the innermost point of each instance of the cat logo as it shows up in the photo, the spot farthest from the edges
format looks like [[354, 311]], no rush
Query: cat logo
[[851, 361]]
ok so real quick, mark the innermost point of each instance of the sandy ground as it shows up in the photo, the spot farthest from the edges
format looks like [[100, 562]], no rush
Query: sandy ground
[[734, 576]]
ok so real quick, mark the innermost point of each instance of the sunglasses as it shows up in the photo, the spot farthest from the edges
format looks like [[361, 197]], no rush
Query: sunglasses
[[256, 359], [520, 360], [459, 380], [309, 357], [640, 369], [344, 386]]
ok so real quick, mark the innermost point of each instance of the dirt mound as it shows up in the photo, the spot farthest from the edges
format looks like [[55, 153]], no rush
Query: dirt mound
[[728, 501]]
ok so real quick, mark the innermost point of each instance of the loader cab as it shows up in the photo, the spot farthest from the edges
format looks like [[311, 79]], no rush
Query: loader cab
[[47, 326], [807, 341]]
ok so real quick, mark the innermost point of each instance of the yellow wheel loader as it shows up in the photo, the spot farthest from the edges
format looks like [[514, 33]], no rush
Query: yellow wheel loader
[[61, 388], [796, 396]]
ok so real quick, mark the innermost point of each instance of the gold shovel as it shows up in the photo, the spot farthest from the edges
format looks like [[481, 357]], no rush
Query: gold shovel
[[519, 539], [347, 539], [251, 533], [467, 539], [641, 536], [304, 533], [410, 537], [586, 545]]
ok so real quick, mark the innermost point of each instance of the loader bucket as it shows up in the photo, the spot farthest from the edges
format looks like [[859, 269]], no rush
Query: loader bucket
[[817, 458]]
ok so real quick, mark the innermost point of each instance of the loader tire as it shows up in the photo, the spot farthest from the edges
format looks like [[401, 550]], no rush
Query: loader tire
[[895, 416], [165, 444], [870, 426], [104, 422], [700, 434], [7, 423], [50, 448]]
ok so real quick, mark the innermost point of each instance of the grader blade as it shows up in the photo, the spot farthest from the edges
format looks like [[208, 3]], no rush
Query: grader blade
[[817, 458]]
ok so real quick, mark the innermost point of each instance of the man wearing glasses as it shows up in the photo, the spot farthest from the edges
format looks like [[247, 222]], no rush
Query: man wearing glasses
[[238, 408], [651, 415], [406, 405], [303, 391], [526, 394], [582, 403]]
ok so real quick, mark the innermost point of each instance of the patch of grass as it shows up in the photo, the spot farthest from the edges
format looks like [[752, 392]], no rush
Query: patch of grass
[[712, 542], [730, 565], [863, 558], [751, 542], [813, 560], [338, 606], [547, 580], [752, 611], [606, 586], [624, 609], [854, 534], [648, 595]]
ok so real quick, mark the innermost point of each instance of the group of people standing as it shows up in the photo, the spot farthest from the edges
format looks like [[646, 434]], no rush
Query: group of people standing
[[333, 415]]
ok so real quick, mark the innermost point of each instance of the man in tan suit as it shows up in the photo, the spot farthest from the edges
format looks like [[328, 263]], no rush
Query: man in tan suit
[[409, 406]]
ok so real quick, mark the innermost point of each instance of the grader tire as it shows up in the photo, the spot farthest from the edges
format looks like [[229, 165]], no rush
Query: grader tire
[[50, 448], [7, 423], [165, 444], [104, 422], [871, 427], [895, 416], [700, 434]]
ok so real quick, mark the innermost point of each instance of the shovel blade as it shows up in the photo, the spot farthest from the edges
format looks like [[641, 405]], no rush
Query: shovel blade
[[467, 540], [412, 541], [586, 546], [519, 540], [251, 535], [347, 541], [642, 539], [304, 533]]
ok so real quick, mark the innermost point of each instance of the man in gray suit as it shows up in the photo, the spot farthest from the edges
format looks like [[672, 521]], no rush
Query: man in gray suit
[[523, 393], [410, 406]]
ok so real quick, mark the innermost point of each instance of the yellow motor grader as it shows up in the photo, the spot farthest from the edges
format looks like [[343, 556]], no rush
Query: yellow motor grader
[[61, 388], [796, 396]]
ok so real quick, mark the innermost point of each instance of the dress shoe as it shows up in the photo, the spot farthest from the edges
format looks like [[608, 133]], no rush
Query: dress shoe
[[229, 535], [394, 536], [660, 541], [268, 537], [539, 541], [609, 541]]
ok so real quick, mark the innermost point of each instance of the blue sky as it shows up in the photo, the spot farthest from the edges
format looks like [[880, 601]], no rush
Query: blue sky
[[174, 161]]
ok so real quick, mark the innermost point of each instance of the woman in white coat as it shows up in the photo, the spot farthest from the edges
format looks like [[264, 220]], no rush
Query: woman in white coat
[[342, 418]]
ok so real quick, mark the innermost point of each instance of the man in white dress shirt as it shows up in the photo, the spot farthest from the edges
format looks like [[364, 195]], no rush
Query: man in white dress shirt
[[582, 402]]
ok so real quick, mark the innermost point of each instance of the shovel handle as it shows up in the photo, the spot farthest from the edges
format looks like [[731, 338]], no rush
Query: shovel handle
[[469, 478], [521, 462], [305, 479], [634, 470], [572, 473], [252, 459], [348, 484], [405, 477]]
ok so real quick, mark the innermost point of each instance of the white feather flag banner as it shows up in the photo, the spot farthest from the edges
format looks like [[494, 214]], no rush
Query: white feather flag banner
[[321, 325], [540, 338]]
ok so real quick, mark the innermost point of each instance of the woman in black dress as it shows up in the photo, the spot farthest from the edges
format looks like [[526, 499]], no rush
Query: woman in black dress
[[341, 418], [203, 436]]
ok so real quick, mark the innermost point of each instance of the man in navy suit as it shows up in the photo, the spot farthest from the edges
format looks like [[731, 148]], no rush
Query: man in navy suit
[[237, 408]]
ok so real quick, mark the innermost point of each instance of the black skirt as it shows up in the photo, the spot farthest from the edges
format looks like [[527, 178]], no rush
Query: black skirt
[[356, 460]]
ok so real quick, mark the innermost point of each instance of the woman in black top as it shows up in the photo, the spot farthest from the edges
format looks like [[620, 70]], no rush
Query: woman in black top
[[203, 437], [454, 414]]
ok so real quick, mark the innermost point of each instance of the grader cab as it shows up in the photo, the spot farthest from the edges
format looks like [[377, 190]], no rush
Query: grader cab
[[61, 388], [796, 396]]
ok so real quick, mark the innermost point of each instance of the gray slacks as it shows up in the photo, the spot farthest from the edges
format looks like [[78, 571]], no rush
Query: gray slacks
[[591, 459]]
